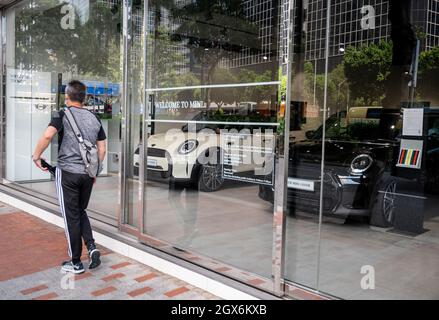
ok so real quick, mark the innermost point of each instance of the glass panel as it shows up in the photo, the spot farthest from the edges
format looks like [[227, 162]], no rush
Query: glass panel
[[48, 44], [213, 79], [380, 233], [305, 149], [135, 87]]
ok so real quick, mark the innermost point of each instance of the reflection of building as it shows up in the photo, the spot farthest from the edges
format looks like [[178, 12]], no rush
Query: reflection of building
[[163, 22], [350, 25], [425, 13], [137, 26], [264, 14], [353, 23], [361, 22]]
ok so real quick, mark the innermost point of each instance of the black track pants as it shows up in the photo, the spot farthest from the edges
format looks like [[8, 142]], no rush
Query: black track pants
[[74, 192]]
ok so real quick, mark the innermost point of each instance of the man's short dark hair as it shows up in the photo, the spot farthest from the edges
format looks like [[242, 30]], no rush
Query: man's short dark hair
[[76, 91]]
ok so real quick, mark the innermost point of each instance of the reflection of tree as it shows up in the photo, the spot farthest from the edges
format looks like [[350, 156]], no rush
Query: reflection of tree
[[429, 76], [366, 69], [337, 98], [157, 6], [100, 41], [91, 49], [188, 79], [229, 95], [39, 38], [256, 93], [223, 96], [165, 61], [165, 66], [213, 30]]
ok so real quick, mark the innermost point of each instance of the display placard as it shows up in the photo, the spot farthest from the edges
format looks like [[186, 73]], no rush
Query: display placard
[[413, 121], [410, 154], [248, 157]]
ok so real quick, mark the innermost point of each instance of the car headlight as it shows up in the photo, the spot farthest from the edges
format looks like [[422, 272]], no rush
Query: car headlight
[[361, 163], [188, 146]]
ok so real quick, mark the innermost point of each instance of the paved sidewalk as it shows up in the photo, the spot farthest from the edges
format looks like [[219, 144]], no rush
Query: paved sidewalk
[[31, 251]]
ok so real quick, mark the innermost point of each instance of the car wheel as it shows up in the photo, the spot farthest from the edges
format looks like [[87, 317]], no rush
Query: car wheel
[[207, 176], [210, 177], [383, 204]]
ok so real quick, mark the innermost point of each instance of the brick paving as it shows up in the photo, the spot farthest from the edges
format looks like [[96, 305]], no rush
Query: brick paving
[[31, 251]]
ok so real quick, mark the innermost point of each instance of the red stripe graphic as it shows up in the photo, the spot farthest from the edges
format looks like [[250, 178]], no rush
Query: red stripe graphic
[[415, 158], [401, 157]]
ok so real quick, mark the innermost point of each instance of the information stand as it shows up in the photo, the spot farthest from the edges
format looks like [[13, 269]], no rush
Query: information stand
[[409, 169]]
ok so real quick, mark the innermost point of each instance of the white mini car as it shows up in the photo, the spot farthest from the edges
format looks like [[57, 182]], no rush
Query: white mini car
[[196, 157]]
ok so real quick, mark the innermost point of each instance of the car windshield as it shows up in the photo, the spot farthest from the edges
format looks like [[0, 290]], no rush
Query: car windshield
[[338, 127]]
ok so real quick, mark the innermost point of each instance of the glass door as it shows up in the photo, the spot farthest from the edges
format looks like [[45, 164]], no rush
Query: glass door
[[211, 132]]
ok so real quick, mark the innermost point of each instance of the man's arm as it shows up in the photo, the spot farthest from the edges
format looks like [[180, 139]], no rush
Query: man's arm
[[102, 149], [42, 145], [102, 137]]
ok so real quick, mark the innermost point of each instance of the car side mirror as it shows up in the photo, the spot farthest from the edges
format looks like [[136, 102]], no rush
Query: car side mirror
[[309, 134]]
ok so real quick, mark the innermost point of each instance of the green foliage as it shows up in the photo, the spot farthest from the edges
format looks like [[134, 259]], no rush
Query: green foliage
[[165, 67], [91, 49], [429, 76], [164, 61], [214, 29], [367, 68], [255, 93], [283, 85], [224, 95], [337, 87], [429, 60]]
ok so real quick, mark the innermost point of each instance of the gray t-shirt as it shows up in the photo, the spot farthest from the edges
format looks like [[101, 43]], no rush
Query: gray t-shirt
[[69, 156]]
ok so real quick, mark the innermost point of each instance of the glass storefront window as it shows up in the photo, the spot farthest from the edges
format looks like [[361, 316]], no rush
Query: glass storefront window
[[213, 96], [49, 43], [362, 173], [203, 100], [383, 163]]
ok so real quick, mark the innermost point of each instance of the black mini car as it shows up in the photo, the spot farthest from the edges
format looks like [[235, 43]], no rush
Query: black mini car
[[359, 171]]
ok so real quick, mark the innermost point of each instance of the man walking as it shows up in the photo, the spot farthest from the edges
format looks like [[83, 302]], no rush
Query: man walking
[[73, 184]]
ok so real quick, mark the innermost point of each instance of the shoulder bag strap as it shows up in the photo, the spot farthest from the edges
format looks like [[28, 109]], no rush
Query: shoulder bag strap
[[74, 126]]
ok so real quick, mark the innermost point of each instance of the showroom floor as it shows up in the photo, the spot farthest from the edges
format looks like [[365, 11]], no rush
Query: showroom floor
[[234, 226]]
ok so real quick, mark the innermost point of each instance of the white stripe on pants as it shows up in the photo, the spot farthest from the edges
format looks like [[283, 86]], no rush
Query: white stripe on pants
[[58, 183]]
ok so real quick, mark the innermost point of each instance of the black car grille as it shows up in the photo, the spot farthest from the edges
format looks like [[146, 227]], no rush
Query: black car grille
[[155, 152]]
